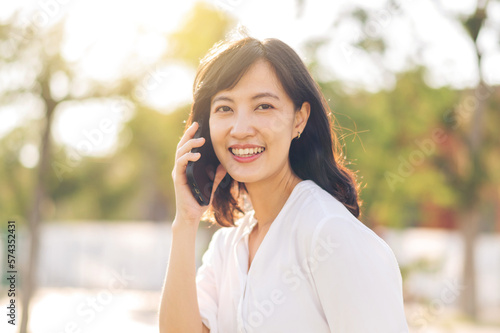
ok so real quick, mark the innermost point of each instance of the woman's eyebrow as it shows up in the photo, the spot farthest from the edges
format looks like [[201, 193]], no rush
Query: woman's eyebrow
[[257, 96]]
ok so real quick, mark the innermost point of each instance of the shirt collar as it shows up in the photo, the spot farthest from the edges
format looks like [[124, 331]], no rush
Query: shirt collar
[[246, 226]]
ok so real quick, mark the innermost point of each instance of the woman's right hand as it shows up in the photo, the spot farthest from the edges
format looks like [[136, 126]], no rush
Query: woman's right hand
[[188, 210]]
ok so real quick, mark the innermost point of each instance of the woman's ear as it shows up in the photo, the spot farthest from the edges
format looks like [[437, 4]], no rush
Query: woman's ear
[[301, 117]]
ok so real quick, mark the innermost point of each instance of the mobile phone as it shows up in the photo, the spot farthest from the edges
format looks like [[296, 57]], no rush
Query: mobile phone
[[201, 173]]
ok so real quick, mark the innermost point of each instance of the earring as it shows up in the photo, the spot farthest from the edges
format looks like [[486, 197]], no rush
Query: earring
[[298, 136]]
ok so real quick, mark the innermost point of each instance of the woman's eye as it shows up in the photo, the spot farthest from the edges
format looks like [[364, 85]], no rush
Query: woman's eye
[[223, 109], [265, 107]]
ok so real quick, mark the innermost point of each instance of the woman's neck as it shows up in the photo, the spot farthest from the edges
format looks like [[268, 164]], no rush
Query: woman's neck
[[268, 197]]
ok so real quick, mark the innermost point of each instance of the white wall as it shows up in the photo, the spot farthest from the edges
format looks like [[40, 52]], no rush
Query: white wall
[[93, 254]]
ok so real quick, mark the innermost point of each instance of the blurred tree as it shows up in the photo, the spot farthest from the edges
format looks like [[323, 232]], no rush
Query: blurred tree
[[380, 135], [203, 27], [462, 164], [99, 184], [471, 178], [153, 149], [38, 52], [21, 49], [156, 135], [124, 185], [135, 182]]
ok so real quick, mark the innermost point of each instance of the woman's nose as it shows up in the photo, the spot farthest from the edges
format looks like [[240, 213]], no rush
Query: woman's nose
[[242, 125]]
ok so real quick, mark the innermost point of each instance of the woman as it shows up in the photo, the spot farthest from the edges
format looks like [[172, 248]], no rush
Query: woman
[[300, 260]]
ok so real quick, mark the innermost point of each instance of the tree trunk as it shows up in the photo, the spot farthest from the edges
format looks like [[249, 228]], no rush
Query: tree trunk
[[34, 220], [469, 226], [471, 218]]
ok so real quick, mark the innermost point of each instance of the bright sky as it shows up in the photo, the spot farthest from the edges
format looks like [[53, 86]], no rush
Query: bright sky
[[103, 34]]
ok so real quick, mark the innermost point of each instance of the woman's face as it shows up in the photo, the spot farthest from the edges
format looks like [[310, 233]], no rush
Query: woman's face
[[253, 124]]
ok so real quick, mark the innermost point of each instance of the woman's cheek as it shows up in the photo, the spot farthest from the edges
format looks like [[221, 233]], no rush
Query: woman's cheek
[[217, 137], [276, 127]]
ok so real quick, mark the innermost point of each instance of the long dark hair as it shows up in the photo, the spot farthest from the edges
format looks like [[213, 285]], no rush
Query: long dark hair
[[317, 155]]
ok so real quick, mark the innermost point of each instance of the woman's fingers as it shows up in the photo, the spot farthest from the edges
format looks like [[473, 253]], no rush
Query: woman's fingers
[[187, 208], [187, 142], [182, 162], [189, 134], [183, 154], [190, 144]]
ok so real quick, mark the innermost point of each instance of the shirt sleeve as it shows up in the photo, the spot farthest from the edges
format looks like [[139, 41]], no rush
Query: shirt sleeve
[[207, 282], [357, 278]]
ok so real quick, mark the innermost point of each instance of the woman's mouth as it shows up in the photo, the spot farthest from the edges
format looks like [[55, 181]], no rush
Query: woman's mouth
[[246, 152]]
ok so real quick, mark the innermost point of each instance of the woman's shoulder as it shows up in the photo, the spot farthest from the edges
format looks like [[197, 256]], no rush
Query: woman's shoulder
[[312, 204], [316, 213]]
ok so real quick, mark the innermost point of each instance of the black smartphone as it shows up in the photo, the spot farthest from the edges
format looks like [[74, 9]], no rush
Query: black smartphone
[[201, 173]]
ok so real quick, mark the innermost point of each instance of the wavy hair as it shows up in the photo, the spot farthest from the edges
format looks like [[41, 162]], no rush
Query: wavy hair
[[317, 155]]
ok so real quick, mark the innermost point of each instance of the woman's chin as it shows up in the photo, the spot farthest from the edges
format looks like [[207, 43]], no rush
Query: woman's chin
[[244, 178]]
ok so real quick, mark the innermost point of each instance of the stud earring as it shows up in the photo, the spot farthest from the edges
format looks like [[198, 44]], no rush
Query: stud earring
[[298, 136]]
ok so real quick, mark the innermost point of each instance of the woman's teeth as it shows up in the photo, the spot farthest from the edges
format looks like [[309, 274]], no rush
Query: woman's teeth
[[247, 151]]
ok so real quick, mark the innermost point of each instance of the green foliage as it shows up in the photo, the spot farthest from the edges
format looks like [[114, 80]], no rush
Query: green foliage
[[202, 28], [384, 132], [16, 181], [135, 182], [388, 137]]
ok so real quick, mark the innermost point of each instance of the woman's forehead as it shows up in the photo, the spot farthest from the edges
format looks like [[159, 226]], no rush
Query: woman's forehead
[[259, 81]]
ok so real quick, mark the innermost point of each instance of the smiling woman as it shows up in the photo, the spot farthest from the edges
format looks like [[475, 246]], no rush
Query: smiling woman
[[256, 121], [302, 248], [278, 85]]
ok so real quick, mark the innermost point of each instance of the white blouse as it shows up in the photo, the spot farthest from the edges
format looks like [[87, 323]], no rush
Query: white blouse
[[318, 269]]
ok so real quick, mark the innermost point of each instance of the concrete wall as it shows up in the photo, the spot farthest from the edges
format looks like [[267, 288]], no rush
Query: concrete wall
[[95, 255]]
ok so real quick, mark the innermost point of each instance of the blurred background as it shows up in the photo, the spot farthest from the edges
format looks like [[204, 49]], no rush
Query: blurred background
[[94, 98]]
